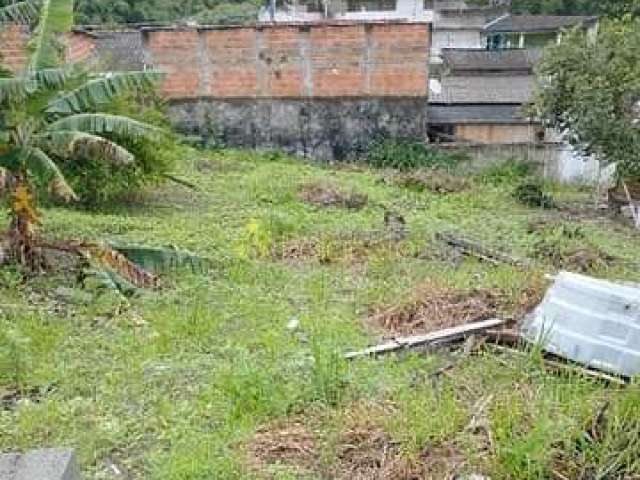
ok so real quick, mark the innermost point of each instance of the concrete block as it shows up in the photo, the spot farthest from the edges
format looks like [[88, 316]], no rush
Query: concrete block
[[51, 464]]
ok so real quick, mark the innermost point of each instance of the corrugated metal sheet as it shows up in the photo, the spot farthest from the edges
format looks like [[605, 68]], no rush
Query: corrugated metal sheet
[[485, 89], [594, 322], [538, 23], [477, 114]]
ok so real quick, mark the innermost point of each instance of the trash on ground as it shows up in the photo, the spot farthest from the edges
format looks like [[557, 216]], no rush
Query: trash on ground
[[52, 464], [475, 249], [589, 321], [441, 337]]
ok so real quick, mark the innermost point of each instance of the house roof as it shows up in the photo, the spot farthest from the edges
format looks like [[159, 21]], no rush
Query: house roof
[[538, 23], [506, 89], [483, 60], [476, 114]]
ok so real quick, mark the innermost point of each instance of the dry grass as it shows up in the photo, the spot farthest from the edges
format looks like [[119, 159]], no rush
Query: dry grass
[[325, 195], [432, 181], [434, 308]]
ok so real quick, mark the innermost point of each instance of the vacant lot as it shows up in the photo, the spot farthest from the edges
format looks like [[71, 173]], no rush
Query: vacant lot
[[237, 373]]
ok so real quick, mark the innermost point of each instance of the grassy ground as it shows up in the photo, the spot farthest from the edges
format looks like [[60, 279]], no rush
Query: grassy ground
[[238, 374]]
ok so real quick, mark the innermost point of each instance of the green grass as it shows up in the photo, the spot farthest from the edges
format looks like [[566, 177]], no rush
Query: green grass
[[173, 384]]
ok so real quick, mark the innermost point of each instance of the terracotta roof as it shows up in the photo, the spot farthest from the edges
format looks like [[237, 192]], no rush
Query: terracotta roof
[[538, 23], [476, 114], [484, 89], [482, 60]]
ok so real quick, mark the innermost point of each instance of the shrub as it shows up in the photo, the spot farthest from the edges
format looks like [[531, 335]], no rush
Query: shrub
[[96, 181], [403, 154], [531, 194], [509, 172]]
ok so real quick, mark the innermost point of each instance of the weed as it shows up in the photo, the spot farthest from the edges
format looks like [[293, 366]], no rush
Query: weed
[[432, 181], [531, 194], [403, 154], [506, 173]]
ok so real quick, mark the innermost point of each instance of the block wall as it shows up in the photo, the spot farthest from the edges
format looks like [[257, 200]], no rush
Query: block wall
[[13, 46], [293, 61]]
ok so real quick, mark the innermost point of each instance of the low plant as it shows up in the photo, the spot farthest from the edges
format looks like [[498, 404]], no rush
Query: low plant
[[531, 194], [405, 154], [96, 181], [506, 173]]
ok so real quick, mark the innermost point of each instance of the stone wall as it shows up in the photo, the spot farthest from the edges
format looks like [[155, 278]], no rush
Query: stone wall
[[318, 90]]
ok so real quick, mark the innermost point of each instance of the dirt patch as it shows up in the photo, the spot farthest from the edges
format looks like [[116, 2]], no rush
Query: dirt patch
[[298, 250], [432, 181], [327, 195], [291, 444], [434, 308], [10, 398], [361, 450]]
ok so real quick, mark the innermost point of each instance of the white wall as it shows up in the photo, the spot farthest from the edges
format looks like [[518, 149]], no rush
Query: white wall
[[454, 39], [412, 10]]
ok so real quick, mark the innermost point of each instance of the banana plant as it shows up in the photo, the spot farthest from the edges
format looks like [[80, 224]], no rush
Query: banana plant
[[51, 112]]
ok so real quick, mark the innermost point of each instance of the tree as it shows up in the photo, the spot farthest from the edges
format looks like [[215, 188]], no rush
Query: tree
[[49, 113], [610, 8], [591, 90]]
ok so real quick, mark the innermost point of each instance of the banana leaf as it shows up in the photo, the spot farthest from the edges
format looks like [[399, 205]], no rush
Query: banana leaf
[[163, 260]]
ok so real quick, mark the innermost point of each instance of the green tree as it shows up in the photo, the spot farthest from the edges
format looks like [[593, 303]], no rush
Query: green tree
[[591, 90], [50, 114], [611, 8]]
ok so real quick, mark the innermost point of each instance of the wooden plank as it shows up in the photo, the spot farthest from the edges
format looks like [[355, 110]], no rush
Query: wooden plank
[[439, 337]]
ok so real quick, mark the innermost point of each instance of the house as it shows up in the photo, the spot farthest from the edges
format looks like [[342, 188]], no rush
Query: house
[[481, 97], [349, 10], [457, 24], [533, 31]]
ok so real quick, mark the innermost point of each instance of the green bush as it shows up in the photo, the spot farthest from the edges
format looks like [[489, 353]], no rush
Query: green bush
[[96, 181], [403, 154], [509, 172], [531, 194]]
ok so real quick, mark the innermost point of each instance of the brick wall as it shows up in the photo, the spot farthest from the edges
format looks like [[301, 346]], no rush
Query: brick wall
[[80, 47], [14, 40], [13, 44], [293, 61]]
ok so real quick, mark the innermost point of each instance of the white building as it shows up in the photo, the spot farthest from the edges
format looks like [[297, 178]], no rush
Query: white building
[[374, 10]]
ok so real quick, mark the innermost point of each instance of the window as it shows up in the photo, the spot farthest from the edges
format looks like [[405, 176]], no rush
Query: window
[[371, 5]]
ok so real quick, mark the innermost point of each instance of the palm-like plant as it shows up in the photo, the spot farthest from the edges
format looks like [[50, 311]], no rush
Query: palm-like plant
[[49, 114]]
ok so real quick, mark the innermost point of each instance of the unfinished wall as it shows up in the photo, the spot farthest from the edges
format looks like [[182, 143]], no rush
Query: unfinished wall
[[13, 45], [320, 90]]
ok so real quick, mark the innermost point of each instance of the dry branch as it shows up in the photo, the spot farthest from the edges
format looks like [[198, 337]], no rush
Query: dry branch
[[441, 337]]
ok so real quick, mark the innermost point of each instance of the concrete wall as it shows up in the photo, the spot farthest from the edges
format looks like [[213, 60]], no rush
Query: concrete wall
[[13, 45], [497, 133], [325, 129], [553, 161], [317, 90]]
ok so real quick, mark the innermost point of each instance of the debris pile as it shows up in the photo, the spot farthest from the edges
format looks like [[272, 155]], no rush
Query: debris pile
[[327, 195], [433, 181], [433, 308]]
